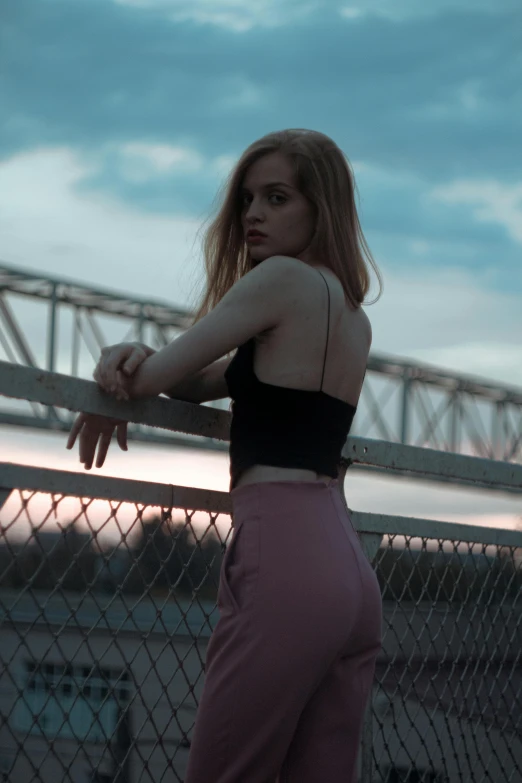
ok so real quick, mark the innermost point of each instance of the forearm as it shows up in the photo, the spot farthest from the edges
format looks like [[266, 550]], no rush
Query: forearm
[[189, 389]]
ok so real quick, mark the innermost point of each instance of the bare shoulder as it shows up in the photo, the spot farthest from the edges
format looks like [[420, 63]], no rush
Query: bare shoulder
[[290, 286], [276, 265], [284, 269], [270, 277]]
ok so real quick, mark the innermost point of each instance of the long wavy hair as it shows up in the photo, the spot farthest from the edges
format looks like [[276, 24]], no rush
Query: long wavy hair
[[325, 177]]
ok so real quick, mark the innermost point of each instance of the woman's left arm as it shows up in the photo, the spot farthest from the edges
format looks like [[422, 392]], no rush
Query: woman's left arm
[[258, 301]]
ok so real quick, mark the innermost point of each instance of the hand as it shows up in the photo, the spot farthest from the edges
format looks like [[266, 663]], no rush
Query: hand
[[92, 428], [116, 364]]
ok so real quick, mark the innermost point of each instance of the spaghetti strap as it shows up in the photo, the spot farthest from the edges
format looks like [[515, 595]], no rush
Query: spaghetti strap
[[327, 327]]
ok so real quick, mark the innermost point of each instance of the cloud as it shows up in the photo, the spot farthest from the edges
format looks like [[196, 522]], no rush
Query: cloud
[[141, 161], [243, 93], [492, 202], [162, 179], [235, 15], [351, 12], [494, 357], [49, 223], [410, 222], [402, 10], [452, 318]]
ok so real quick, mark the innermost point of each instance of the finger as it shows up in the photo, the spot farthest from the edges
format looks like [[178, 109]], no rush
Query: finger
[[121, 436], [88, 441], [101, 372], [101, 367], [121, 387], [98, 377], [137, 357], [113, 363], [105, 383], [103, 447], [75, 429]]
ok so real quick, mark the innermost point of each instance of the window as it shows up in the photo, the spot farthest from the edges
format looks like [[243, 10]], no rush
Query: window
[[59, 699]]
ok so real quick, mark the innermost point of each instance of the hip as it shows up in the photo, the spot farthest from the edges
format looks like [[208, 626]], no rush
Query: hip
[[294, 545]]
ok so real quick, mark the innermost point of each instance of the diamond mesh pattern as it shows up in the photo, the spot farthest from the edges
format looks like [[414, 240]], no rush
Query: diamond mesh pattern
[[107, 608]]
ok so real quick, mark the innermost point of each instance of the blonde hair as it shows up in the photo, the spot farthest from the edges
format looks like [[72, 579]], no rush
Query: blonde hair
[[325, 177]]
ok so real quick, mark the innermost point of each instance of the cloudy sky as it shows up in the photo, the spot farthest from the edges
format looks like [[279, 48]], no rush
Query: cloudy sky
[[121, 117]]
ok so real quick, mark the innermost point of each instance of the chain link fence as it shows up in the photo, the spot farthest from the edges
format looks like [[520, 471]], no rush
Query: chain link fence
[[107, 607]]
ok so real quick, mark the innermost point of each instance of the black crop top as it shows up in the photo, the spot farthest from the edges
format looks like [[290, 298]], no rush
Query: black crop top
[[281, 426]]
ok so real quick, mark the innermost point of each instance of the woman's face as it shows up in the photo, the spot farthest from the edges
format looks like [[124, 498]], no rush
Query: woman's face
[[272, 204]]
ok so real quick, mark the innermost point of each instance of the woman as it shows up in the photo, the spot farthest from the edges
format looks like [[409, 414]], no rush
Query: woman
[[290, 665]]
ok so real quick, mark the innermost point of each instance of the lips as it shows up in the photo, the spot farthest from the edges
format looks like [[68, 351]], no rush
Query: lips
[[254, 234]]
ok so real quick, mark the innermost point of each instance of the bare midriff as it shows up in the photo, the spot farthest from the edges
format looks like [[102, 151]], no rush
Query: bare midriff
[[261, 473]]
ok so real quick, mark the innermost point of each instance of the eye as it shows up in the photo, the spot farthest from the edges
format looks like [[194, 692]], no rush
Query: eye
[[246, 198]]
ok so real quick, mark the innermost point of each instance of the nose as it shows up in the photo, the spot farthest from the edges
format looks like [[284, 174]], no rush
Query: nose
[[254, 212]]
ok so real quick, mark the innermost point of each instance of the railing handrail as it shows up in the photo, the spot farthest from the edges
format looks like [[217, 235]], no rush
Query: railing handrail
[[76, 394], [14, 476]]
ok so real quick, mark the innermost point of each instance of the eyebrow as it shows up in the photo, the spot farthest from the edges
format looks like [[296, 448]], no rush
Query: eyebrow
[[273, 185]]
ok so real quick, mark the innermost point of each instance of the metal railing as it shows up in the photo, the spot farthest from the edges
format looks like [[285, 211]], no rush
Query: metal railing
[[108, 599]]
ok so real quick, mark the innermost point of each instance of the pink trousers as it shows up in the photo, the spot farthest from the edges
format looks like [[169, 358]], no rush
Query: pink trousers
[[290, 664]]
